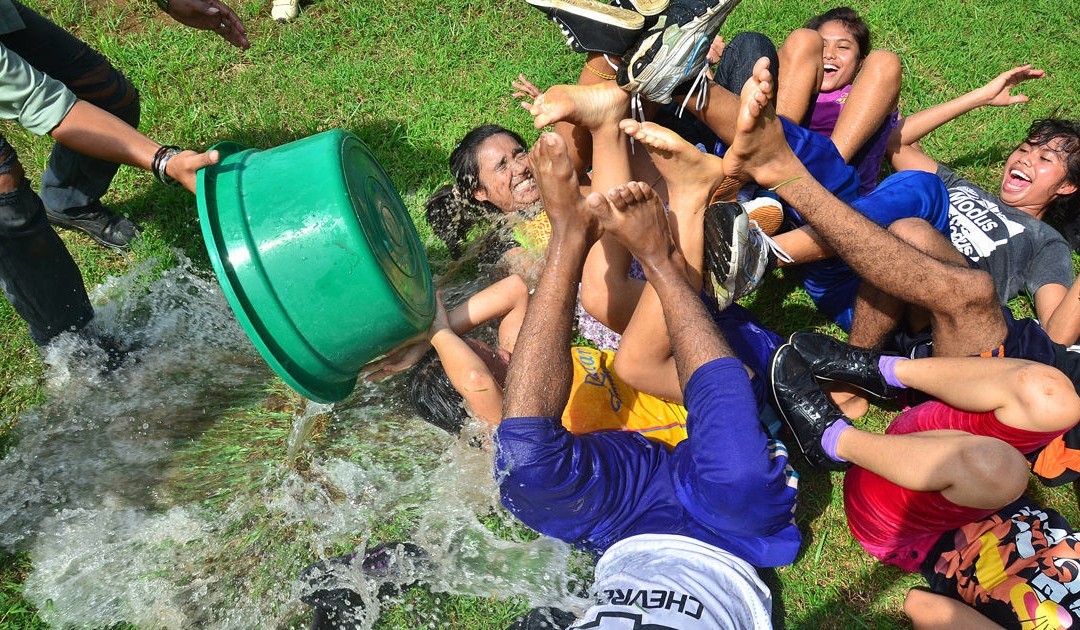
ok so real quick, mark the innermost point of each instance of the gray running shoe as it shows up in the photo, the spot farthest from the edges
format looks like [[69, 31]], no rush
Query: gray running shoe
[[726, 238], [738, 254], [673, 50], [592, 26]]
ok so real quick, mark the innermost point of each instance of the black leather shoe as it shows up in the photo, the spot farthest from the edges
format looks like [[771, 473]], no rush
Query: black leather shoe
[[833, 360], [804, 407], [102, 224]]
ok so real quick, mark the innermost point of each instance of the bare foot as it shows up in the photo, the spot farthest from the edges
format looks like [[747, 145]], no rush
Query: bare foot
[[557, 180], [590, 106], [760, 151], [691, 175], [634, 215]]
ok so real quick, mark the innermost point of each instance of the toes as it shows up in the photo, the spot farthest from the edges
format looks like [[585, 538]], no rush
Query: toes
[[598, 206]]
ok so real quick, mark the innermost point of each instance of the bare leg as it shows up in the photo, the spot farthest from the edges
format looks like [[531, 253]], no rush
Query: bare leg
[[801, 72], [930, 611], [878, 313], [969, 470], [1022, 394], [579, 140], [691, 178], [873, 98], [606, 291], [962, 300], [538, 381], [644, 358]]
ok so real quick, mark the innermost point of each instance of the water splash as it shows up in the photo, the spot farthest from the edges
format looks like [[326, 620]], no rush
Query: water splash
[[189, 487]]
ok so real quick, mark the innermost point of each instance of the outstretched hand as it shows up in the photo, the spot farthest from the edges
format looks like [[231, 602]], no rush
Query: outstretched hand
[[184, 166], [998, 92], [525, 89], [211, 15], [410, 352]]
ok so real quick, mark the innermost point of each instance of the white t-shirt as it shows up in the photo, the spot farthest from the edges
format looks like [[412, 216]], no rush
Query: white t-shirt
[[663, 581]]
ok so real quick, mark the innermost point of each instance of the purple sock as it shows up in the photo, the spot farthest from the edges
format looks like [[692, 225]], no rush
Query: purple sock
[[832, 436], [887, 367]]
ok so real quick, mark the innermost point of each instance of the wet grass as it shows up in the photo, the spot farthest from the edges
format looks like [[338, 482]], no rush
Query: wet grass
[[410, 78]]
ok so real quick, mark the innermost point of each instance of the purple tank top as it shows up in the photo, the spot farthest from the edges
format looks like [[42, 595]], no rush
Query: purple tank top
[[823, 117]]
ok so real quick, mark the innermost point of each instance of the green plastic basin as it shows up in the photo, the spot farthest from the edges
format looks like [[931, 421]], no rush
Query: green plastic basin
[[317, 256]]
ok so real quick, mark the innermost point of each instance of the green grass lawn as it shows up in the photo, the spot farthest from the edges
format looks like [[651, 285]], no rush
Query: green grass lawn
[[410, 77]]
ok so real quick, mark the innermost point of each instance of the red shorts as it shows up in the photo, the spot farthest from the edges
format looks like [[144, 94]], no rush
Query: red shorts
[[899, 526]]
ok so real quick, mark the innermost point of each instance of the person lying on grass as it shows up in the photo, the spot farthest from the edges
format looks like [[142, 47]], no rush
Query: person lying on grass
[[940, 491], [689, 524], [462, 376], [643, 370], [1004, 234], [851, 93]]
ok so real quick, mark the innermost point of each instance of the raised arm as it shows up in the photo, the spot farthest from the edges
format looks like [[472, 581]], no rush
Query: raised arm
[[903, 149], [468, 373]]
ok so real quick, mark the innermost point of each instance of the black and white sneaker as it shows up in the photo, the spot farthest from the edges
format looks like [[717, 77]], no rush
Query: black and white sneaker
[[592, 26], [803, 406], [672, 51], [833, 360]]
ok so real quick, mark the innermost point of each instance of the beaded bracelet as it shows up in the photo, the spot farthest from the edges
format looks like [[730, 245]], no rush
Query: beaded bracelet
[[161, 159]]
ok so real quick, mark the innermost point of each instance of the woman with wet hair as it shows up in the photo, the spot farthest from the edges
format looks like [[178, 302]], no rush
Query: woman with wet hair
[[491, 179]]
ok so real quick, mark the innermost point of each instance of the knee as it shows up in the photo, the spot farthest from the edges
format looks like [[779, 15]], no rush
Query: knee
[[997, 467], [911, 230], [752, 44], [108, 88], [926, 609], [883, 65], [802, 44], [1046, 396]]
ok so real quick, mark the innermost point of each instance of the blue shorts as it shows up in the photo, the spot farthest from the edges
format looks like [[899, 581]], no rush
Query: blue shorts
[[727, 484], [750, 340], [831, 283], [908, 194]]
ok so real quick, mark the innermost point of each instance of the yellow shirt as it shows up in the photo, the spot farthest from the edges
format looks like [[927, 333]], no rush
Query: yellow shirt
[[534, 233], [599, 401]]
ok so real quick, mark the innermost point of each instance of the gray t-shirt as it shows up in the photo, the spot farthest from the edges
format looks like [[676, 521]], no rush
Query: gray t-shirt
[[37, 101], [1020, 252]]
